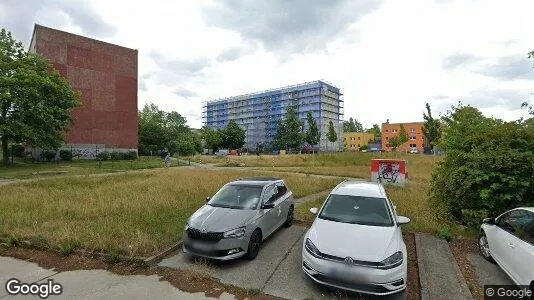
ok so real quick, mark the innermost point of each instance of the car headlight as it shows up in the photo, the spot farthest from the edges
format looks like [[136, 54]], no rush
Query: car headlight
[[234, 233], [186, 226], [310, 247], [392, 261]]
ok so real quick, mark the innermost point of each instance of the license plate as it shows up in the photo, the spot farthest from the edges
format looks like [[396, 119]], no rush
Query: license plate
[[200, 246]]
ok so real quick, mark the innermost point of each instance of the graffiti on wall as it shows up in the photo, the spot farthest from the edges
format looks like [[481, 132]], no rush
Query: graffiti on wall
[[388, 172], [85, 153]]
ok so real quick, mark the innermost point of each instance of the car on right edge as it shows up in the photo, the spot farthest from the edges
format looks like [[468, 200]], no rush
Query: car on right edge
[[508, 240], [355, 242]]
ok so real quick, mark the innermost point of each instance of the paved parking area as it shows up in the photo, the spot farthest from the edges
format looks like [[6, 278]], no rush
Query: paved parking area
[[488, 273], [92, 284], [275, 271]]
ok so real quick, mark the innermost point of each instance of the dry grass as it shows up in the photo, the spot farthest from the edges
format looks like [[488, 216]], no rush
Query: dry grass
[[28, 170], [134, 213]]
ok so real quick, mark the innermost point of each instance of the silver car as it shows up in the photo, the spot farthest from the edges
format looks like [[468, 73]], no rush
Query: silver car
[[238, 218]]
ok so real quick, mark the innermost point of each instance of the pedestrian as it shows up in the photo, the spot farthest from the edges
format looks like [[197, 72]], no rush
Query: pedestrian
[[167, 160]]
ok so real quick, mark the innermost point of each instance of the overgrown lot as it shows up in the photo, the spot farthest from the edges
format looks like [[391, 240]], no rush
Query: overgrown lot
[[26, 170], [134, 213]]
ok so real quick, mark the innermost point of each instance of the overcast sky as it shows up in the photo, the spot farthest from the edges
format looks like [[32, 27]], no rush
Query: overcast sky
[[389, 57]]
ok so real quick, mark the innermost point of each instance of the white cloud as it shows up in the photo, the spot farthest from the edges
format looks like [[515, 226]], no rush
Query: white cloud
[[389, 59]]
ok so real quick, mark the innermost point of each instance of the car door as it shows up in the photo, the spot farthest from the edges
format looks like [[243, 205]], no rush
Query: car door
[[270, 215], [522, 244], [505, 243], [283, 201]]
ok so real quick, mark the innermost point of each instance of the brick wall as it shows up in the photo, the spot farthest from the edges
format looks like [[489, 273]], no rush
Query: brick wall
[[106, 76]]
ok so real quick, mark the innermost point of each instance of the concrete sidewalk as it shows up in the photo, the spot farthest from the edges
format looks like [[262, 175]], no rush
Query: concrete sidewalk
[[92, 284], [439, 273]]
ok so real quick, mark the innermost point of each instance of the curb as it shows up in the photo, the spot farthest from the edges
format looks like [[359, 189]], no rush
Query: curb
[[148, 260], [424, 277]]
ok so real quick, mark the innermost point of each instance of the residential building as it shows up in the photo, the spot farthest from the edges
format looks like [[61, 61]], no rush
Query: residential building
[[258, 113], [414, 130], [354, 140], [106, 77]]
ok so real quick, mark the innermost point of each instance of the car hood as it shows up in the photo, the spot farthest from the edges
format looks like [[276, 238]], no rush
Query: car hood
[[361, 242], [220, 219]]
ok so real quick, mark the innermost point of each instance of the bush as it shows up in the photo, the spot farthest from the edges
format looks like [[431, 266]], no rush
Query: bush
[[445, 233], [130, 155], [103, 156], [115, 156], [473, 218], [488, 167], [48, 155], [65, 155]]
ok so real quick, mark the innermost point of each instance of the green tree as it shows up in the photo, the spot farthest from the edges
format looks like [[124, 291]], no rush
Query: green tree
[[313, 135], [394, 143], [403, 135], [153, 134], [375, 130], [431, 128], [35, 100], [331, 135], [212, 138], [160, 130], [489, 164], [352, 125], [232, 136], [289, 131]]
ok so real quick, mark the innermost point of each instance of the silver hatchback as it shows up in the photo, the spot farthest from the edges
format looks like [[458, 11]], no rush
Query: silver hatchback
[[238, 218]]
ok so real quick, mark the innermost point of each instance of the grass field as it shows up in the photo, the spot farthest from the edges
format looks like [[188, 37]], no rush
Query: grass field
[[28, 170], [135, 213]]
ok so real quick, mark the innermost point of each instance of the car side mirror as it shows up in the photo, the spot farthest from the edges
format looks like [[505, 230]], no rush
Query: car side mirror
[[401, 220], [267, 205], [314, 210], [208, 199], [489, 221]]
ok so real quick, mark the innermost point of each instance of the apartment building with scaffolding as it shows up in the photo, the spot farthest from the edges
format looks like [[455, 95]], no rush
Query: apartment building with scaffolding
[[258, 113]]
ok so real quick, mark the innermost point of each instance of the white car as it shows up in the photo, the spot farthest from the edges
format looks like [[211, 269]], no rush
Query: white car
[[355, 242], [508, 240]]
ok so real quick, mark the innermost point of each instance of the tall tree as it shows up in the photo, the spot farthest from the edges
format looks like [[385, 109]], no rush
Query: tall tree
[[352, 125], [35, 100], [312, 135], [403, 135], [331, 135], [431, 128], [233, 137], [211, 137], [375, 130], [289, 131]]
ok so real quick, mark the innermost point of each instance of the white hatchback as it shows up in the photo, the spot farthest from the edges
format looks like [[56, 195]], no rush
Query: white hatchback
[[508, 240], [355, 242]]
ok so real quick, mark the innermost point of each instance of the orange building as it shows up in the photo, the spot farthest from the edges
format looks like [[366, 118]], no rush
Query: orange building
[[414, 130]]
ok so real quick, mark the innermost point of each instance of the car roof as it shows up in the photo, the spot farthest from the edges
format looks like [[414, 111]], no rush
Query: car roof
[[360, 188], [257, 181], [526, 208]]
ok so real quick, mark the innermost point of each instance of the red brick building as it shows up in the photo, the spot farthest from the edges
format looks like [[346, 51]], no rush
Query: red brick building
[[106, 76]]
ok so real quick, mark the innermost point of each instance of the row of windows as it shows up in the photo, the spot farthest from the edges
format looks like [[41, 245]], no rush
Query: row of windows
[[395, 130]]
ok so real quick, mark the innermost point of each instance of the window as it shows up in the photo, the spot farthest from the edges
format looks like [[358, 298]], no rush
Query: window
[[270, 191], [526, 227], [387, 130], [281, 188], [394, 130], [359, 146], [412, 130]]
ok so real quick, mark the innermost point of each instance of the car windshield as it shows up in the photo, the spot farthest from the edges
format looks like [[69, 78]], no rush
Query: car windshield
[[357, 210], [237, 196]]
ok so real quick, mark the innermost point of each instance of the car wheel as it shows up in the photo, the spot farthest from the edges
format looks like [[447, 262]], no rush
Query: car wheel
[[254, 245], [289, 219], [483, 246]]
